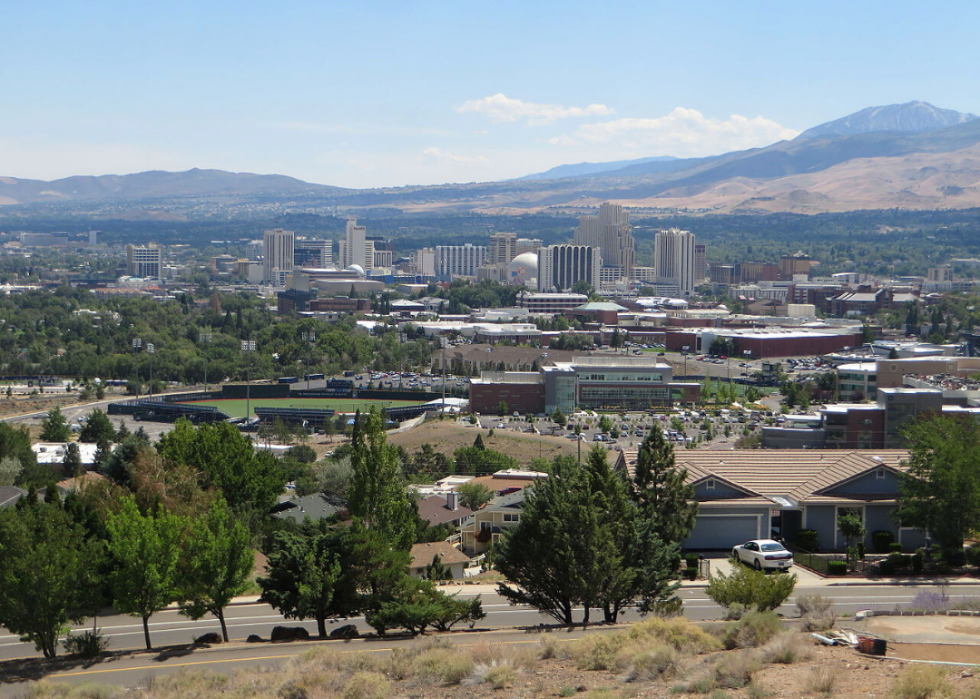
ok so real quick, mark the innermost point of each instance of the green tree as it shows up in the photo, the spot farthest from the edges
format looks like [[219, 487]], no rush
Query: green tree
[[10, 469], [473, 496], [745, 589], [605, 424], [417, 604], [482, 462], [478, 443], [250, 481], [377, 495], [558, 417], [54, 428], [49, 573], [72, 463], [98, 428], [851, 528], [940, 490], [660, 491], [145, 550], [437, 570], [216, 564]]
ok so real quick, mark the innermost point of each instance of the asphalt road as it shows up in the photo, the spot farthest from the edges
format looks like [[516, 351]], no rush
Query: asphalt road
[[169, 629]]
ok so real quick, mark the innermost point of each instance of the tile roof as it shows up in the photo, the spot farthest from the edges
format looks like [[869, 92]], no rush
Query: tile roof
[[801, 475]]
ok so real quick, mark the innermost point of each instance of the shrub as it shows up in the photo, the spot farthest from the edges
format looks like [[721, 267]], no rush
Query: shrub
[[807, 539], [836, 567], [367, 685], [973, 555], [735, 670], [750, 588], [922, 682], [89, 644], [653, 665], [817, 612], [917, 562], [498, 676], [894, 547], [821, 680], [752, 630], [691, 573], [882, 540], [886, 567], [926, 601], [786, 648], [955, 557]]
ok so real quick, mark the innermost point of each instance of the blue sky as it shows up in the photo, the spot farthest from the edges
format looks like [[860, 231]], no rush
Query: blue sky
[[362, 94]]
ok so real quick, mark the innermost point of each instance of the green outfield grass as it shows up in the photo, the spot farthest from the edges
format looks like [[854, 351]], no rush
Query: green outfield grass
[[236, 407]]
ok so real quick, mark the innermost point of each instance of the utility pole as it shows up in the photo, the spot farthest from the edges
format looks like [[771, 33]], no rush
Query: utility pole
[[248, 346], [150, 349], [310, 337]]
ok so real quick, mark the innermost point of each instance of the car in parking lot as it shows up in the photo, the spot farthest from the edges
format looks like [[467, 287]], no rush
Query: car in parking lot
[[763, 554]]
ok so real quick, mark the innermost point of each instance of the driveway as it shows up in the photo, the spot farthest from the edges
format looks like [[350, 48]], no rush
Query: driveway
[[722, 562]]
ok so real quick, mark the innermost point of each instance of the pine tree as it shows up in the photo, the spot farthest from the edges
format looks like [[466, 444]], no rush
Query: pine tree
[[72, 464], [54, 428], [660, 491], [478, 443]]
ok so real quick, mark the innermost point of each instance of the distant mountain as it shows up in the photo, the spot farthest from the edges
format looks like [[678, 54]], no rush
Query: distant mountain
[[910, 117], [155, 184], [583, 169]]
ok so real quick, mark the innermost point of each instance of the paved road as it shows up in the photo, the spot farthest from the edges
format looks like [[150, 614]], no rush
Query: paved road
[[73, 412]]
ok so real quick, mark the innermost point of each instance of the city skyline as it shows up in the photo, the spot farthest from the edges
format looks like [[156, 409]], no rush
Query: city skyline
[[429, 92]]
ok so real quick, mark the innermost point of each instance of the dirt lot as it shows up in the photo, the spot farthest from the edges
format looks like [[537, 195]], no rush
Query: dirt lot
[[30, 404], [446, 437]]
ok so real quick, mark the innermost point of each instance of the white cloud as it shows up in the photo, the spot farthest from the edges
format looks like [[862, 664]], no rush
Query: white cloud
[[682, 132], [449, 158], [500, 107]]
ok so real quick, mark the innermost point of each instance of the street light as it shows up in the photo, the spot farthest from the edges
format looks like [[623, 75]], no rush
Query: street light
[[150, 349], [206, 339], [137, 344], [310, 337], [248, 346]]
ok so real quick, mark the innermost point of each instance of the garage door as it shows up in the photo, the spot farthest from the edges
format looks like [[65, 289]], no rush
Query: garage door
[[723, 532]]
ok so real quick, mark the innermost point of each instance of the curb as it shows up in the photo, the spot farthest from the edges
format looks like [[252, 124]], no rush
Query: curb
[[905, 583]]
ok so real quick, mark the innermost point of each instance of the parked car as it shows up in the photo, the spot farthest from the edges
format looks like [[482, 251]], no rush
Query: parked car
[[763, 553]]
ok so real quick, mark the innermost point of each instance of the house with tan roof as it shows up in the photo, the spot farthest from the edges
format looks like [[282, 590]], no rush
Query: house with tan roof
[[757, 494], [450, 556]]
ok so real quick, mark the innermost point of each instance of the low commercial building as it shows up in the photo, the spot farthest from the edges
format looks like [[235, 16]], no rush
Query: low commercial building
[[766, 342], [517, 391], [550, 302], [857, 381]]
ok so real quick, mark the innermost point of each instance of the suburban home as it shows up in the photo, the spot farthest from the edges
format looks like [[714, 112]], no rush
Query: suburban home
[[450, 556], [439, 509], [9, 495], [508, 480], [53, 453], [756, 494], [316, 506], [487, 525]]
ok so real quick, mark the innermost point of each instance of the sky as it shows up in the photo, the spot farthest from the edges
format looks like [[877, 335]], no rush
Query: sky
[[379, 93]]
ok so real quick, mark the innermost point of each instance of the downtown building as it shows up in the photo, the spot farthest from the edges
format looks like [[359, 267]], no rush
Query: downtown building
[[459, 260], [278, 248], [675, 263], [144, 262], [561, 266], [610, 232]]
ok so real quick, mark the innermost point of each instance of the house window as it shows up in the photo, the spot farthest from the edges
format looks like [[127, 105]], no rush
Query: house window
[[709, 484], [486, 526], [880, 474], [512, 517]]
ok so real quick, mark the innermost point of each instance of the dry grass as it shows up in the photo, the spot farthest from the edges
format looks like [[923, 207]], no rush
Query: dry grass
[[447, 437], [786, 648], [923, 682], [817, 612], [820, 680]]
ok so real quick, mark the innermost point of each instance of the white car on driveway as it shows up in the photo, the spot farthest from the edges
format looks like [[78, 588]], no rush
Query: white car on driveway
[[763, 554]]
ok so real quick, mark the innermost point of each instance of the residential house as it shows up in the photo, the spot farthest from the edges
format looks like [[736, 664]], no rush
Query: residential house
[[9, 495], [747, 495], [438, 509], [450, 556], [315, 507], [487, 525]]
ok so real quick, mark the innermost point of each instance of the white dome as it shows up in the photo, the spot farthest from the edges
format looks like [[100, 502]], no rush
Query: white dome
[[357, 269], [523, 268]]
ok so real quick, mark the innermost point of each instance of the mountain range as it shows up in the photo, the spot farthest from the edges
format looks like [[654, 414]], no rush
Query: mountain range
[[912, 155]]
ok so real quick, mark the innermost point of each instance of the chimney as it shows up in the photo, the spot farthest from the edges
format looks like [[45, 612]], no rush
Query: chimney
[[452, 501]]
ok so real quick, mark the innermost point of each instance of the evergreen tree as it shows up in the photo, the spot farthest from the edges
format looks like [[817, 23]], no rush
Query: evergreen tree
[[146, 551], [98, 428], [660, 492], [478, 443], [377, 494], [216, 564], [72, 463], [54, 428]]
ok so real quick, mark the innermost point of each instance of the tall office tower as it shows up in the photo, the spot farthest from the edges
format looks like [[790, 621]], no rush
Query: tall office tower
[[93, 238], [424, 262], [313, 253], [503, 248], [278, 248], [528, 245], [357, 249], [459, 260], [254, 250], [144, 261], [674, 261], [700, 262], [611, 232], [560, 266]]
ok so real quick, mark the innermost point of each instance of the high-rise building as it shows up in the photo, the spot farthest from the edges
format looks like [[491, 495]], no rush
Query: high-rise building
[[700, 262], [313, 253], [254, 250], [459, 260], [357, 248], [424, 262], [610, 231], [278, 250], [674, 262], [144, 261], [792, 265], [560, 266], [503, 248], [528, 245]]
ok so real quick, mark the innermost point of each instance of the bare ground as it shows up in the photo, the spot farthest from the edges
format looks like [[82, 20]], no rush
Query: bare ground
[[446, 437]]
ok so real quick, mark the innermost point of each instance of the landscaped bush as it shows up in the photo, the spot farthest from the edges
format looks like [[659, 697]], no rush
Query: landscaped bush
[[894, 547], [917, 562], [955, 557], [807, 539], [973, 555], [753, 589], [886, 567], [882, 540], [836, 567], [89, 644]]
